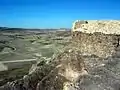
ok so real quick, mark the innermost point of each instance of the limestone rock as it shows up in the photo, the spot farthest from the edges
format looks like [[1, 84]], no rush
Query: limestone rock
[[96, 37], [66, 69], [99, 44], [103, 26], [70, 66]]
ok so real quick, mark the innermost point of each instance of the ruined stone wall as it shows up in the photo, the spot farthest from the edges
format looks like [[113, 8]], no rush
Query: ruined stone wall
[[102, 43], [103, 26]]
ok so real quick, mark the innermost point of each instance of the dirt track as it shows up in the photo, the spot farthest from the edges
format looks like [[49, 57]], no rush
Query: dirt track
[[14, 61]]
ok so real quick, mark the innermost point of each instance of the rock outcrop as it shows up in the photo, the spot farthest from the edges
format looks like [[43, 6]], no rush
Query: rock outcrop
[[100, 38], [60, 74], [103, 26]]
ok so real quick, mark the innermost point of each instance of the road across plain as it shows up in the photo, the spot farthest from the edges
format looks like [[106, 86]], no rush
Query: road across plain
[[8, 65], [15, 61]]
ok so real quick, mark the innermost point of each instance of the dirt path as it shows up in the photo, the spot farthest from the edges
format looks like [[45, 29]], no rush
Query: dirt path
[[23, 60]]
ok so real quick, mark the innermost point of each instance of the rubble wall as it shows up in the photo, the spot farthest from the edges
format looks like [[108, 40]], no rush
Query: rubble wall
[[102, 44]]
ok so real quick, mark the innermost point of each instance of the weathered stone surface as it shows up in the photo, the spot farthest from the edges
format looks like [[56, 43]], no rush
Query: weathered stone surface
[[99, 44], [67, 68], [70, 66], [98, 37], [103, 74], [103, 26]]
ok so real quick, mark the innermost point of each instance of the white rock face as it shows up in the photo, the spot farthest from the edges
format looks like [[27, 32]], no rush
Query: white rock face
[[103, 26]]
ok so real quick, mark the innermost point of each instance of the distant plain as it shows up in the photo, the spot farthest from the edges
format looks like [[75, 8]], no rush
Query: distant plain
[[19, 49]]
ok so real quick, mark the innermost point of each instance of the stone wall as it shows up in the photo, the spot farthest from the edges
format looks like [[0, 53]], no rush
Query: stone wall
[[90, 42], [103, 26]]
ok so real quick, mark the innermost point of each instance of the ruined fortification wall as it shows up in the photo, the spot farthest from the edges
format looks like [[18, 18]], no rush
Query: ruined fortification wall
[[102, 41], [103, 26]]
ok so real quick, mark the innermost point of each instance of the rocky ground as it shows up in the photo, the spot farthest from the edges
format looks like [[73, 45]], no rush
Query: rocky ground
[[101, 74]]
